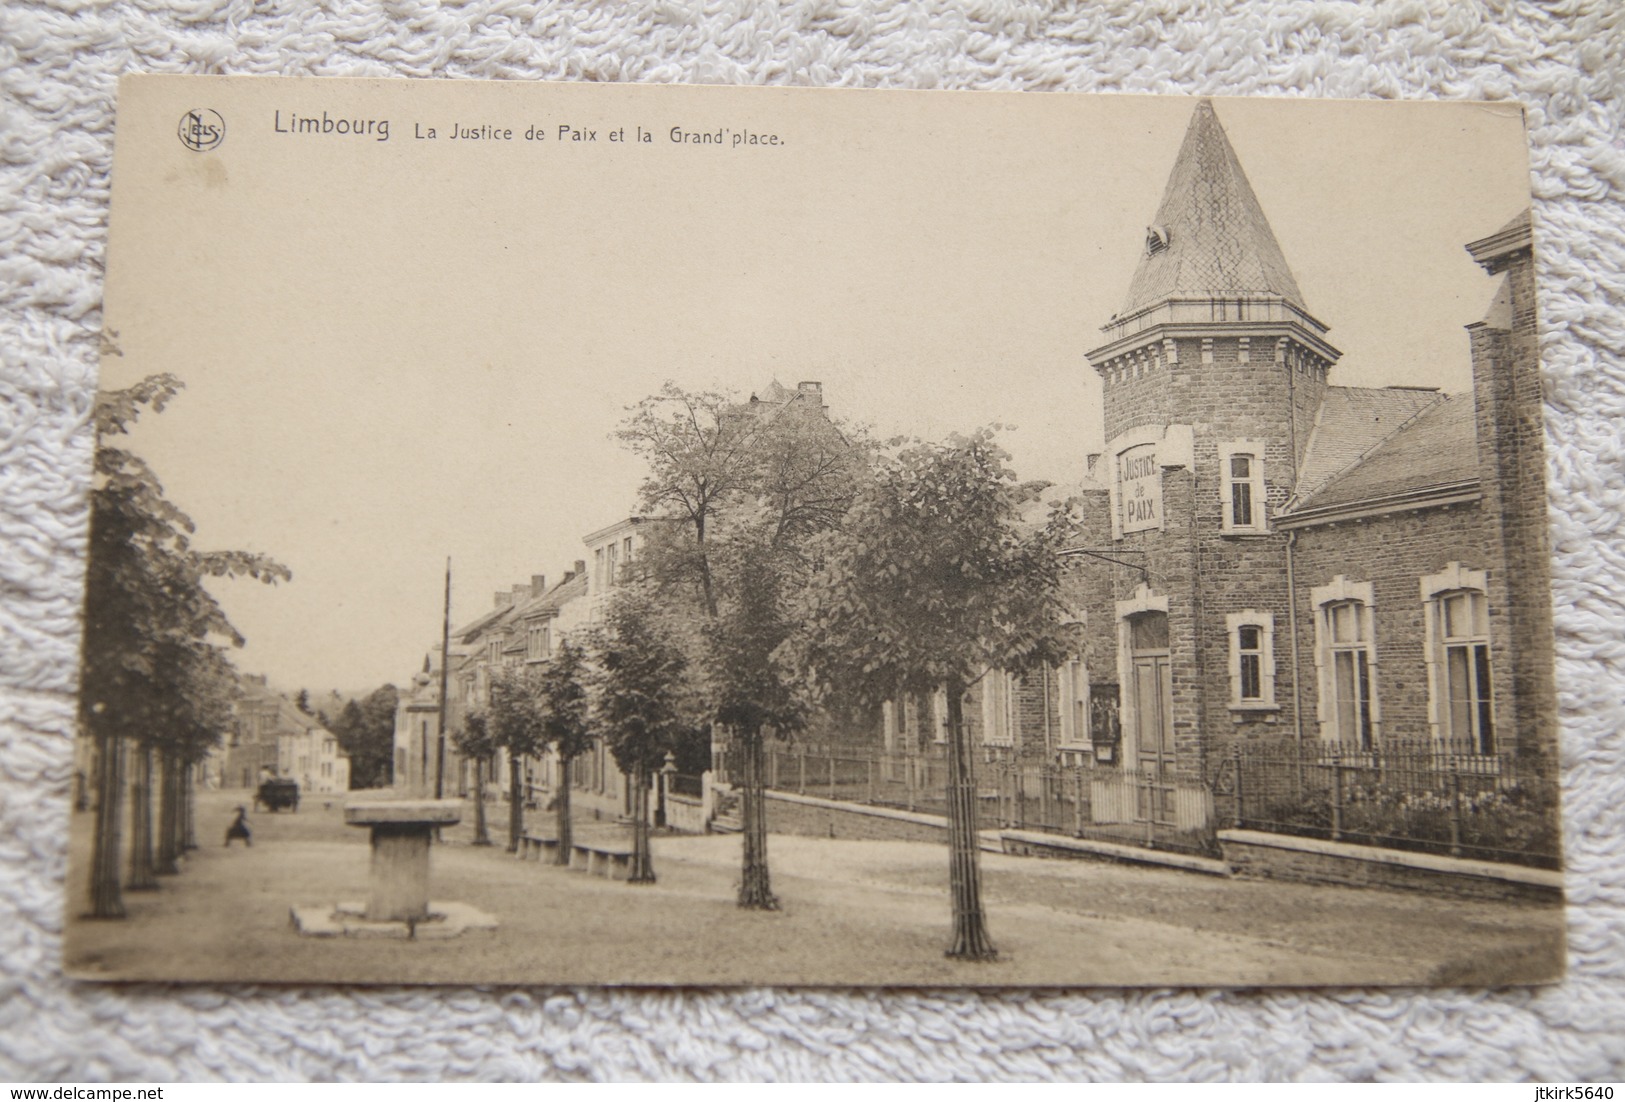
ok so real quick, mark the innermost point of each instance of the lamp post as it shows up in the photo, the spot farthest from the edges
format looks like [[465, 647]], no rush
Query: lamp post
[[445, 673]]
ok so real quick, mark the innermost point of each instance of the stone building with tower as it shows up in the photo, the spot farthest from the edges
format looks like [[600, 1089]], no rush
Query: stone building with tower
[[1279, 585], [1338, 568]]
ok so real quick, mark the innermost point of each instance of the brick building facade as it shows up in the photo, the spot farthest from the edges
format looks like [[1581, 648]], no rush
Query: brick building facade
[[1267, 558]]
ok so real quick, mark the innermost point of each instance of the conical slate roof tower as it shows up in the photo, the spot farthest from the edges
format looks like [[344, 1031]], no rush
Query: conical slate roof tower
[[1213, 375], [1214, 336], [1210, 237]]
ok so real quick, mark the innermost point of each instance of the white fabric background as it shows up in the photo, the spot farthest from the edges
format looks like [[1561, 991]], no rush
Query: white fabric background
[[58, 65]]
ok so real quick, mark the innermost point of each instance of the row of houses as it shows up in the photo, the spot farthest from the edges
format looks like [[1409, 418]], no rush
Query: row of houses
[[270, 738], [1267, 564], [524, 627]]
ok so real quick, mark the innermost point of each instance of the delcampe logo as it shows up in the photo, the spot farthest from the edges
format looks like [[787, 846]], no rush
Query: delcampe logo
[[201, 129]]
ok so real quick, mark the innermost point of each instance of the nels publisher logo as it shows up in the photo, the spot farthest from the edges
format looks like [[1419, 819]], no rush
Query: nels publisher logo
[[201, 130]]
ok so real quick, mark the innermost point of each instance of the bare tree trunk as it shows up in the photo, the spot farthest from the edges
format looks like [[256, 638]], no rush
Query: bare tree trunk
[[516, 802], [169, 833], [106, 899], [964, 868], [561, 854], [142, 876], [189, 809], [482, 835], [643, 869], [755, 888]]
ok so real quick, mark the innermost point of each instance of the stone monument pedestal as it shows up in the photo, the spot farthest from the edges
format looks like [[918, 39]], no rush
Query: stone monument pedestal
[[402, 831], [398, 904]]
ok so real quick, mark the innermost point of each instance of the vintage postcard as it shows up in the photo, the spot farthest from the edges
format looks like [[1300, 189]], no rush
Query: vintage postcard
[[683, 535]]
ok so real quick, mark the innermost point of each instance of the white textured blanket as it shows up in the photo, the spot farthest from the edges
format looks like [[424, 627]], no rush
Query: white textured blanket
[[58, 66]]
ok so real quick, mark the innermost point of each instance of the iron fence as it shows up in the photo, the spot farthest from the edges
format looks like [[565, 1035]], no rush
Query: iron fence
[[1079, 800], [687, 784], [887, 780], [1104, 803], [1419, 795]]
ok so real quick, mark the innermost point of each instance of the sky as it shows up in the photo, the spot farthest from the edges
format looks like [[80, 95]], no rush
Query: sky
[[401, 351]]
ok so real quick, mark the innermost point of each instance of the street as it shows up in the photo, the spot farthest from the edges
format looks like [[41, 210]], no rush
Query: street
[[852, 912]]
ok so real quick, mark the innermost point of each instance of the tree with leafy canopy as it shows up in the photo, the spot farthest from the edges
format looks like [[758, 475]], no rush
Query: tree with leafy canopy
[[934, 579], [746, 485], [202, 685], [518, 724], [641, 701], [174, 718], [712, 459], [566, 727], [473, 740], [149, 621], [749, 687], [698, 446], [365, 730]]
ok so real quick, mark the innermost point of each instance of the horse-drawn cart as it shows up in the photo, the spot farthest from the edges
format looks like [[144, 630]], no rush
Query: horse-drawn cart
[[276, 794]]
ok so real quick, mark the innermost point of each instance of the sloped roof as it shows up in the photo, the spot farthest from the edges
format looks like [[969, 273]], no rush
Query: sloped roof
[[265, 700], [291, 718], [1436, 448], [774, 391], [1351, 422], [480, 623], [1218, 241], [554, 599], [1515, 237], [1524, 219]]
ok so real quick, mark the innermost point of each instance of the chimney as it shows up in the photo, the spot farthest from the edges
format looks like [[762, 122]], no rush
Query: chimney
[[581, 567], [538, 584]]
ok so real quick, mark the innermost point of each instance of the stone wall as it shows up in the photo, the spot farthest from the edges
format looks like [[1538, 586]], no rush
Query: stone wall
[[816, 819], [685, 813], [1283, 857]]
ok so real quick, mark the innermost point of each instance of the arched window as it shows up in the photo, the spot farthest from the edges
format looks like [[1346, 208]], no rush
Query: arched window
[[1458, 655], [1351, 672], [1345, 655], [1252, 659]]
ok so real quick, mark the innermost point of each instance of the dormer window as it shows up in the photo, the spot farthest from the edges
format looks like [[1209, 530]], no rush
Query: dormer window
[[1156, 239]]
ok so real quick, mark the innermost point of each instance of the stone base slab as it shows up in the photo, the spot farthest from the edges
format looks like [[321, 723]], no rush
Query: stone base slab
[[447, 919]]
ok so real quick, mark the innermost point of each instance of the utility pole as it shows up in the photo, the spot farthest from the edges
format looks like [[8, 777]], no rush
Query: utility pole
[[445, 674]]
